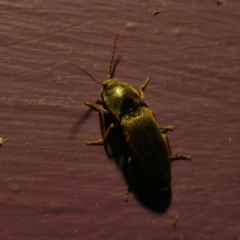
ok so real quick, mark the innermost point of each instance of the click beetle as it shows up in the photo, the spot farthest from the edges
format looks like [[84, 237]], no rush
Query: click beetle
[[148, 143]]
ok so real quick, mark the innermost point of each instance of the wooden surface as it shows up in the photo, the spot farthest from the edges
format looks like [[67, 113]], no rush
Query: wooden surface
[[53, 186]]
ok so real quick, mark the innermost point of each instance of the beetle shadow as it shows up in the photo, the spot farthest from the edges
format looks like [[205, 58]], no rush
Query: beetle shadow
[[78, 123], [153, 200], [115, 63], [118, 150], [115, 145]]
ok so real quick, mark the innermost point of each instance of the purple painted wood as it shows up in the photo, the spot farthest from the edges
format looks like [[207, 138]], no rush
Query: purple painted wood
[[55, 187]]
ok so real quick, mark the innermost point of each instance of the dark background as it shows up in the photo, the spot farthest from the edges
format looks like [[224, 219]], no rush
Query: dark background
[[53, 186]]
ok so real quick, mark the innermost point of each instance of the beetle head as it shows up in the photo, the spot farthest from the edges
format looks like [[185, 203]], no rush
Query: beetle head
[[119, 97]]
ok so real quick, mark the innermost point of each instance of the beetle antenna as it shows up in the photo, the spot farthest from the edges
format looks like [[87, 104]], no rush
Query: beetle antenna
[[87, 74], [113, 52]]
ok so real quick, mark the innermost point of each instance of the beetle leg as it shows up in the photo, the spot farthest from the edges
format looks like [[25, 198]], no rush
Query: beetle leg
[[141, 89], [129, 175], [177, 156], [174, 156], [98, 107], [166, 129], [102, 141], [126, 195]]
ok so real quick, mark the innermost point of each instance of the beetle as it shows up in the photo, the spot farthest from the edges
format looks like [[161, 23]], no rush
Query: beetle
[[148, 142]]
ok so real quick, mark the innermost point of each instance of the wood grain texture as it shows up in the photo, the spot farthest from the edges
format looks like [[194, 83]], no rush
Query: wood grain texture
[[55, 187]]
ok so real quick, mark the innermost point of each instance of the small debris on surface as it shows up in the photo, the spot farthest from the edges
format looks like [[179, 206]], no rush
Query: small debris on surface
[[220, 2], [174, 225], [155, 13]]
